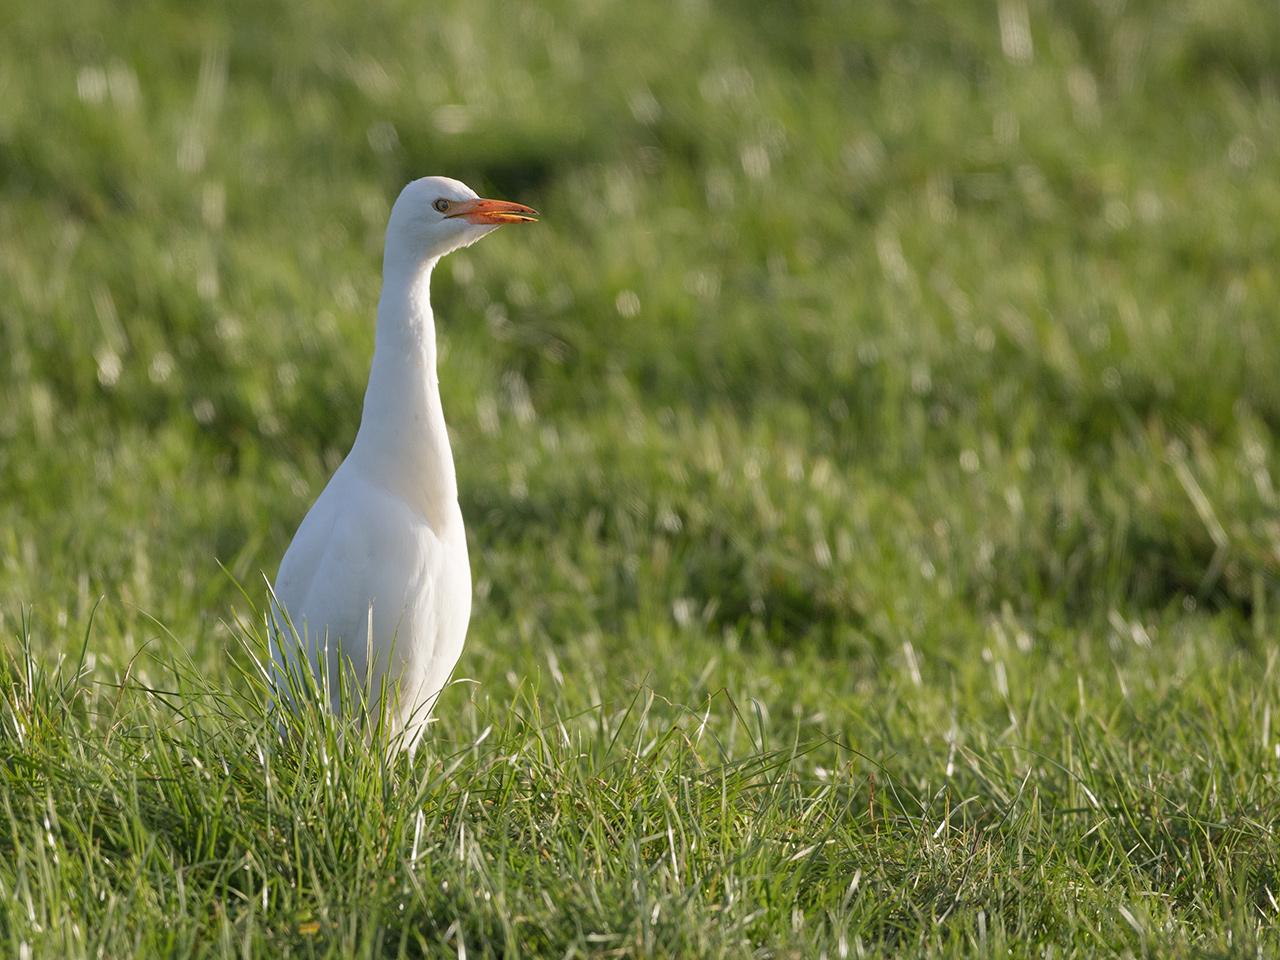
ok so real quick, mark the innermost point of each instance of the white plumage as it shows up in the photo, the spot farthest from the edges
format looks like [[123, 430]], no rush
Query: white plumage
[[377, 577]]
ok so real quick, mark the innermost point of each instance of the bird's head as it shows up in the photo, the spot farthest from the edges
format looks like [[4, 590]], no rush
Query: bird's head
[[436, 215]]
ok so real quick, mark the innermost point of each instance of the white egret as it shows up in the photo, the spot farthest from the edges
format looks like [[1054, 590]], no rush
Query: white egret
[[376, 581]]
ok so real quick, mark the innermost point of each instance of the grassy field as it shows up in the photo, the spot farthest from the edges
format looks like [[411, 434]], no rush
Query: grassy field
[[870, 467]]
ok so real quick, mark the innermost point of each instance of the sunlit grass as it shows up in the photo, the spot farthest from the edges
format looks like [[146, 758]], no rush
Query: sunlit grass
[[869, 466]]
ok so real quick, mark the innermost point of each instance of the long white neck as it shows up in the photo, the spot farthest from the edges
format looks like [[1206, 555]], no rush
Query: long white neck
[[403, 444]]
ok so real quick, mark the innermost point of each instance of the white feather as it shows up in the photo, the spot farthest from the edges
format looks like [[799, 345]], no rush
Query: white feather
[[376, 580]]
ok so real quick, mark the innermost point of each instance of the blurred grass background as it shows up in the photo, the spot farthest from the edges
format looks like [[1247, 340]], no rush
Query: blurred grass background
[[912, 369]]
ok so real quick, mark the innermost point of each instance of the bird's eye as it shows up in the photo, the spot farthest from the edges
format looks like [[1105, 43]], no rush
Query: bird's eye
[[442, 205]]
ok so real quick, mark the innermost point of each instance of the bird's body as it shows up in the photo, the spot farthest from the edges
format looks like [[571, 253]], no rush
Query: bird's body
[[377, 580]]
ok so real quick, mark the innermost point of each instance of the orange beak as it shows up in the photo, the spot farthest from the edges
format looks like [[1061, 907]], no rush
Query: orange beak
[[492, 212]]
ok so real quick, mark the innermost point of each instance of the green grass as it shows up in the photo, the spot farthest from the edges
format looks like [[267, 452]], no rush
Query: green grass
[[870, 467]]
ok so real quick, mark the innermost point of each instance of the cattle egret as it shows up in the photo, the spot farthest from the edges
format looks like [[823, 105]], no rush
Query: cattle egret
[[375, 589]]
